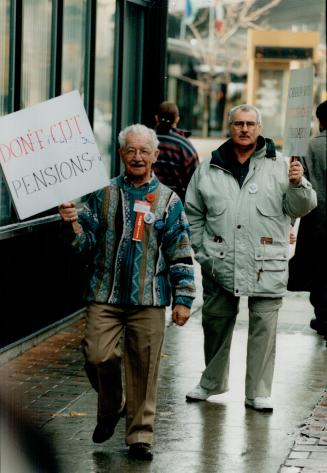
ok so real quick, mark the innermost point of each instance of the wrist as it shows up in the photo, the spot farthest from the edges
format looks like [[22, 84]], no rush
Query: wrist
[[77, 228]]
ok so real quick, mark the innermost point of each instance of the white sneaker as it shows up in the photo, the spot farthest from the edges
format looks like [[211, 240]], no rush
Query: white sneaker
[[263, 404], [198, 394]]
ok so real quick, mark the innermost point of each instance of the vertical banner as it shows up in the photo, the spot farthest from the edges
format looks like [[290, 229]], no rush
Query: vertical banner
[[49, 156], [299, 112]]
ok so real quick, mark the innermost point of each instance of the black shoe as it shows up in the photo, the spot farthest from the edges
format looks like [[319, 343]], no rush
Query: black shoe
[[140, 451], [104, 430]]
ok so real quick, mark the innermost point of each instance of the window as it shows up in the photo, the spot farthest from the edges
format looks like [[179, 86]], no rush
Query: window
[[73, 46], [5, 205], [133, 69], [4, 55], [36, 51], [104, 73]]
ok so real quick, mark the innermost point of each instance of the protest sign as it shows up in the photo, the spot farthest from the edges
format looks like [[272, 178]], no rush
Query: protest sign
[[298, 112], [49, 156]]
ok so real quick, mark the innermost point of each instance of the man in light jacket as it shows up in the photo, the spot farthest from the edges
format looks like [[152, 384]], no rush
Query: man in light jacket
[[240, 204]]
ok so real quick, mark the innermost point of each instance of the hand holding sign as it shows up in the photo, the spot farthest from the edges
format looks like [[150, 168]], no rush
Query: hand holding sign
[[295, 171], [68, 212]]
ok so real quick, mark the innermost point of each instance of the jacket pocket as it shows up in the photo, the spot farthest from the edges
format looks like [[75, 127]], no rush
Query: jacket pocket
[[212, 257], [270, 208], [216, 219], [271, 269], [270, 221]]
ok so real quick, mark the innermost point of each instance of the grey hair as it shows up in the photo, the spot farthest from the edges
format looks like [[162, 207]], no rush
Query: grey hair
[[138, 129], [244, 108]]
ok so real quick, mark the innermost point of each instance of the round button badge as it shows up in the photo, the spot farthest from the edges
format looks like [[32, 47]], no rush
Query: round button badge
[[253, 188], [149, 217]]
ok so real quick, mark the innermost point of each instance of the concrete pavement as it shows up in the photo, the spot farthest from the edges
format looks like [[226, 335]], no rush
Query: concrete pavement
[[218, 435]]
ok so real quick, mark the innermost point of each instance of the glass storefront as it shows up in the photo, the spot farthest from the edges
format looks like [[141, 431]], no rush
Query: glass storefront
[[113, 52], [104, 78], [4, 55], [36, 52], [105, 49], [73, 46], [5, 204], [29, 41]]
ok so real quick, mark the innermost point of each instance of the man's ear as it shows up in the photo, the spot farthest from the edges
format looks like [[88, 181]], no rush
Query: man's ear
[[156, 119], [155, 156], [176, 122]]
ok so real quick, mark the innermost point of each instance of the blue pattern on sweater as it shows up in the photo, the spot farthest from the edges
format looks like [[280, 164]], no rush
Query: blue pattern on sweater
[[127, 272]]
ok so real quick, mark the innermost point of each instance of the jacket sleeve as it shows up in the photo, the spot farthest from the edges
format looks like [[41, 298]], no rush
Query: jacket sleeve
[[90, 219], [178, 253], [300, 199], [195, 211]]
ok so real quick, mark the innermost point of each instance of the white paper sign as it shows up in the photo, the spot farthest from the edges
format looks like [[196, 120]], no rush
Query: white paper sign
[[299, 112], [49, 156]]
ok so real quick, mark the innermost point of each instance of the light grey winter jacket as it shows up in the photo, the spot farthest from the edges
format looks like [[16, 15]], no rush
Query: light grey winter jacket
[[240, 236]]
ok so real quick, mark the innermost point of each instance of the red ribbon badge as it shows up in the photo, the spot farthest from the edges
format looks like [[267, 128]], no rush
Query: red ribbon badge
[[150, 197]]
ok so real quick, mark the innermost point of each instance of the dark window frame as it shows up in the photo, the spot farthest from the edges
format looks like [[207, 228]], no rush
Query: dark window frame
[[15, 55]]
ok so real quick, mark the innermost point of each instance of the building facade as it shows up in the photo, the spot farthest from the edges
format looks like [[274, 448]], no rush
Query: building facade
[[113, 53]]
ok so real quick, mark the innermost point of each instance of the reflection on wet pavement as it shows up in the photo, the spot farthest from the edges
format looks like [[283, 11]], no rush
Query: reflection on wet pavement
[[218, 435]]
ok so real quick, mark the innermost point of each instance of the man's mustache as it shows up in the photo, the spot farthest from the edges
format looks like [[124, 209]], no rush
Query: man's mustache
[[137, 164]]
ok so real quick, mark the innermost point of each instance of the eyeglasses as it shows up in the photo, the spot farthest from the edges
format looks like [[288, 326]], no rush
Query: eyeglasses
[[241, 124], [131, 152]]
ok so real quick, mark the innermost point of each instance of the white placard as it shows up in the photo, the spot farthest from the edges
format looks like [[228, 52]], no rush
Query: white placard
[[49, 156], [299, 112]]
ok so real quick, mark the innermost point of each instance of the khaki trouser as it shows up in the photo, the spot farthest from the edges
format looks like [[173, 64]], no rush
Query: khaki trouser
[[220, 309], [144, 329]]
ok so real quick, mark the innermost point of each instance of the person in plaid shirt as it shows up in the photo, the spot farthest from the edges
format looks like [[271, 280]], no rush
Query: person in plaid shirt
[[178, 158]]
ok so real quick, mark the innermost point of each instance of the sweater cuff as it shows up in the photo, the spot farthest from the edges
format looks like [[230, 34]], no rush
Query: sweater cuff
[[184, 300]]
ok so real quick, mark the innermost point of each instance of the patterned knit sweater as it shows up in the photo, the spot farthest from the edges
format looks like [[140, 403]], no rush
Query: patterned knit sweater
[[126, 272]]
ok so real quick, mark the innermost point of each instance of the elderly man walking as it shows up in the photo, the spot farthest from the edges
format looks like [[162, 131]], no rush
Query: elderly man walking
[[240, 204], [138, 235]]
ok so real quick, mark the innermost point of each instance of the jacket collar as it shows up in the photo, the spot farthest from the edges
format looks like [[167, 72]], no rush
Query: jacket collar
[[222, 156]]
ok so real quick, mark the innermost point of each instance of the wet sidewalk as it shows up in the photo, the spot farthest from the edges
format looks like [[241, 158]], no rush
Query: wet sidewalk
[[218, 435]]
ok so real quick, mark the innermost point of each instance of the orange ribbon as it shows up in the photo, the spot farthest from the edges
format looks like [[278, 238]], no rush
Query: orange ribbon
[[138, 226]]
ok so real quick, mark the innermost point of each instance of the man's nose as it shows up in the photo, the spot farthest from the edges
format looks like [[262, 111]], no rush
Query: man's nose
[[138, 154]]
